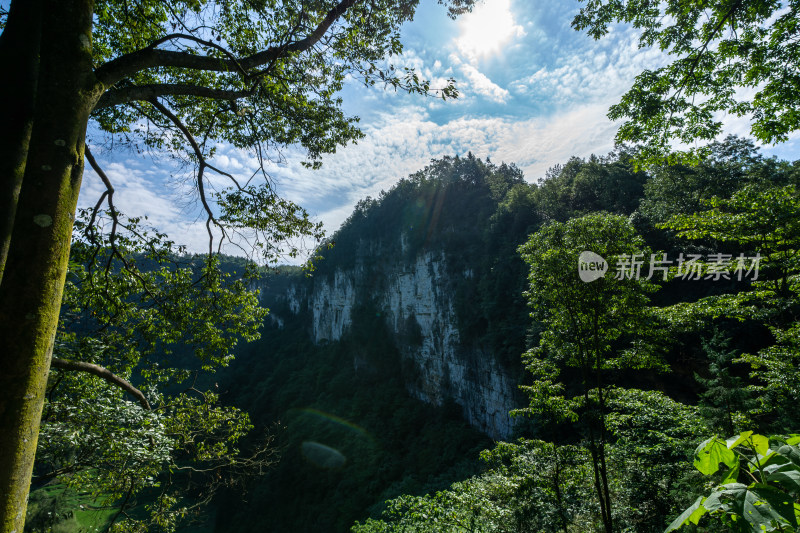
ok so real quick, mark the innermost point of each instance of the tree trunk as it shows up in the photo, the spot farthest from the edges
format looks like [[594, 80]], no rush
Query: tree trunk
[[38, 252], [19, 55]]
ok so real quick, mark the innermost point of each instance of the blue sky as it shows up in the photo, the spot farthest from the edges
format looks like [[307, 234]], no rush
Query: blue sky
[[533, 91]]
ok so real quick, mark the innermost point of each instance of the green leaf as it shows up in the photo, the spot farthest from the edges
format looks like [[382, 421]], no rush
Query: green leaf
[[732, 475], [717, 500], [691, 515], [788, 476], [771, 460], [711, 453], [736, 440], [761, 506], [764, 504], [792, 453], [759, 443]]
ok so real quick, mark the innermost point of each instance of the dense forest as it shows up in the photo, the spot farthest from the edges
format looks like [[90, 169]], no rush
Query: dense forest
[[611, 347], [633, 376], [631, 383]]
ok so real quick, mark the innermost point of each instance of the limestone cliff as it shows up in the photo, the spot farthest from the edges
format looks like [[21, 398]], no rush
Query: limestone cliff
[[435, 257], [415, 298]]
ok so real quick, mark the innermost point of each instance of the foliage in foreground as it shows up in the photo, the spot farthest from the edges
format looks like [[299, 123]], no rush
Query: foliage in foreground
[[759, 492], [737, 57], [143, 322]]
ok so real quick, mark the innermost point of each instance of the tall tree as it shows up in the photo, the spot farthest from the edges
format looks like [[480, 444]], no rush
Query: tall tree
[[143, 323], [180, 75], [732, 56], [588, 325]]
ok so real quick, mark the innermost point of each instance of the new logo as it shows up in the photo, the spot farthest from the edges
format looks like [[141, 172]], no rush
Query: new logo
[[591, 266]]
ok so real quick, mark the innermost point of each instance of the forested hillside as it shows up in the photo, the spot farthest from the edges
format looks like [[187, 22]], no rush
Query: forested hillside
[[638, 376], [610, 346], [613, 383], [676, 373]]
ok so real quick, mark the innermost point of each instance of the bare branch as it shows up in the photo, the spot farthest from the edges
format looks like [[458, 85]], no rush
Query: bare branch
[[122, 506], [108, 193], [104, 373], [202, 166]]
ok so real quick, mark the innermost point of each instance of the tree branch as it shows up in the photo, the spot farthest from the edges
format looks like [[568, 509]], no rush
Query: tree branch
[[132, 93], [108, 193], [710, 37], [127, 65], [204, 42], [91, 232], [202, 165], [103, 373], [121, 507]]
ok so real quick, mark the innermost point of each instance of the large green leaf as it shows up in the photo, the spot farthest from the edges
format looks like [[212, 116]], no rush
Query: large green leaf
[[711, 453], [736, 440], [771, 460], [720, 498], [759, 443], [732, 475], [792, 453], [762, 507], [788, 476], [770, 507]]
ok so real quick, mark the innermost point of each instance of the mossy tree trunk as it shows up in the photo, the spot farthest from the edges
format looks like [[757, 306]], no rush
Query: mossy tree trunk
[[42, 164], [19, 55]]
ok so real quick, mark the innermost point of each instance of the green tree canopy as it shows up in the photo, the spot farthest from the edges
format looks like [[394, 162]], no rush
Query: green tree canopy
[[763, 222], [579, 187], [142, 323], [731, 56]]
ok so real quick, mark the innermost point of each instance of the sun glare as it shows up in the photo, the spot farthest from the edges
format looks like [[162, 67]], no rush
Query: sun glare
[[490, 26]]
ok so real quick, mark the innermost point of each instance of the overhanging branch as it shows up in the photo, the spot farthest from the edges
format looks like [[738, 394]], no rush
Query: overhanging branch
[[127, 65], [107, 194], [104, 373], [202, 165], [143, 93]]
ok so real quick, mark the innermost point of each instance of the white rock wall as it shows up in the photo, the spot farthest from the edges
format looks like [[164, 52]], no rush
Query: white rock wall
[[445, 369], [332, 306]]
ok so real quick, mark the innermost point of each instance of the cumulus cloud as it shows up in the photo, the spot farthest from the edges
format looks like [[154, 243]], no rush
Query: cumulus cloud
[[600, 72], [402, 143], [478, 82], [148, 188], [541, 100]]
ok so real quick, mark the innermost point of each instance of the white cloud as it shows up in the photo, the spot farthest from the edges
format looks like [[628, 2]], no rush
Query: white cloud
[[483, 85], [146, 188], [601, 72], [404, 142], [563, 84]]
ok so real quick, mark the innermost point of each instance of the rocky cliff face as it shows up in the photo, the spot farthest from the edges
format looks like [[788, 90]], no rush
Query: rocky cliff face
[[415, 298]]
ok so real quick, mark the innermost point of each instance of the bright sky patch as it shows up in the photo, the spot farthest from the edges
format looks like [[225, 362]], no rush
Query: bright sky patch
[[487, 29]]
